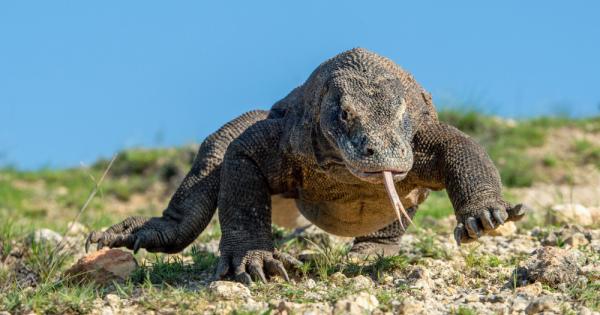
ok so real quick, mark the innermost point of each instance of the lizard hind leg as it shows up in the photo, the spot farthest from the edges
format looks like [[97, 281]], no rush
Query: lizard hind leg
[[384, 242]]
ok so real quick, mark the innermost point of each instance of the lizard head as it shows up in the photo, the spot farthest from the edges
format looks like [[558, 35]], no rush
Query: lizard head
[[364, 122], [363, 116], [356, 116]]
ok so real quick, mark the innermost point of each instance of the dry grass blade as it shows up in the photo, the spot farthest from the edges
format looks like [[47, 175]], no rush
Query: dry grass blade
[[388, 180], [89, 198]]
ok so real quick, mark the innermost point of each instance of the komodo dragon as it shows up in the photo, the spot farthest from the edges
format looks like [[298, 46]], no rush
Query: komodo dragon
[[326, 145]]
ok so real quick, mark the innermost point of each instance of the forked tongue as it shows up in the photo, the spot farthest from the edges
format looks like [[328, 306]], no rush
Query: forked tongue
[[388, 181]]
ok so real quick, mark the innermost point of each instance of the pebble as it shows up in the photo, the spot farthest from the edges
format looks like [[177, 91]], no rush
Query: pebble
[[506, 229], [103, 267], [552, 266], [571, 213], [46, 236], [544, 303], [338, 278], [360, 303], [361, 282], [472, 298], [576, 240], [411, 306], [228, 290]]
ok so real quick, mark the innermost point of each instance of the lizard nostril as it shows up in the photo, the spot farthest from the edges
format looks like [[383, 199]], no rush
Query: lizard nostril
[[369, 152]]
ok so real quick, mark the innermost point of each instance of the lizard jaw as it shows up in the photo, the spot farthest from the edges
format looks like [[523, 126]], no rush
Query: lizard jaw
[[376, 177]]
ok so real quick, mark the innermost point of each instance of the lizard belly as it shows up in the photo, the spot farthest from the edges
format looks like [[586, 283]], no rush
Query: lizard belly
[[358, 216], [354, 218]]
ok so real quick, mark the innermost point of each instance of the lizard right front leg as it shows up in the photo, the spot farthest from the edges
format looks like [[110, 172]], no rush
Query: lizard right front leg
[[247, 250]]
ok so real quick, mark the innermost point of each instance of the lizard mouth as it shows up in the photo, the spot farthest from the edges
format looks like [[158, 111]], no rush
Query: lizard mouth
[[377, 177]]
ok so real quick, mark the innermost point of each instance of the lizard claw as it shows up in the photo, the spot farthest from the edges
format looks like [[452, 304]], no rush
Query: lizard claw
[[134, 233], [137, 244], [490, 217], [257, 265]]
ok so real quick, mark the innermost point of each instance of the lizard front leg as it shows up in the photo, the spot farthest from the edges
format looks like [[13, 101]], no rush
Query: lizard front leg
[[190, 209], [447, 158], [248, 178]]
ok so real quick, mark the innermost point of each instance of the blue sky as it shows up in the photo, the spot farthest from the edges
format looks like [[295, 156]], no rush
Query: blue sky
[[83, 79]]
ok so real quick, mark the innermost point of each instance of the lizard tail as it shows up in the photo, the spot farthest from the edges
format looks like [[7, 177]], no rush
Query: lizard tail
[[195, 201]]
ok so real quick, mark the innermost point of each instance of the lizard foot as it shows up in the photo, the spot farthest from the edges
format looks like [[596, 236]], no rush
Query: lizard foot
[[366, 249], [135, 233], [486, 219], [257, 265]]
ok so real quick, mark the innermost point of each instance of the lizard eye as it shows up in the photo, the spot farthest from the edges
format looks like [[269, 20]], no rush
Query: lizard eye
[[344, 115]]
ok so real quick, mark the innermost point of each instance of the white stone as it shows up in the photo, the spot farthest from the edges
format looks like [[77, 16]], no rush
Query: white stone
[[544, 303], [576, 240], [228, 290], [310, 284], [76, 229], [113, 300], [360, 303], [361, 282], [286, 307], [46, 236], [411, 306], [571, 213], [506, 229]]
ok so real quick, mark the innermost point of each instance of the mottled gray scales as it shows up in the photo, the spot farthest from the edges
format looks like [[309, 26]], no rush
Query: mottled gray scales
[[325, 145]]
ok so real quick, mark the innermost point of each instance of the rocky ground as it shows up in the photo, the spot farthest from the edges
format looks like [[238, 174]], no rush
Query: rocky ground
[[552, 270], [547, 263]]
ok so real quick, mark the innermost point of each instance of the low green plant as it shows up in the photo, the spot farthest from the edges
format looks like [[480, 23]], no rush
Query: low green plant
[[427, 247]]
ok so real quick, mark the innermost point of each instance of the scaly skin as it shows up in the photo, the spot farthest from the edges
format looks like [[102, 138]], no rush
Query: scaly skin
[[326, 145]]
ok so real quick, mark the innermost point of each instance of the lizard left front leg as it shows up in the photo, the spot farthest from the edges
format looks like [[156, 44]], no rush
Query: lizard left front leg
[[447, 158]]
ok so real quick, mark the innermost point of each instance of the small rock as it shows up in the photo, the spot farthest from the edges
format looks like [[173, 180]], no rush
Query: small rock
[[338, 278], [46, 236], [519, 304], [360, 303], [107, 310], [308, 255], [544, 303], [387, 279], [103, 267], [506, 229], [361, 282], [533, 289], [411, 306], [286, 307], [576, 240], [228, 290], [76, 229], [585, 311], [420, 279], [471, 298], [250, 305], [595, 212], [592, 271], [310, 284], [113, 300], [551, 266], [571, 213]]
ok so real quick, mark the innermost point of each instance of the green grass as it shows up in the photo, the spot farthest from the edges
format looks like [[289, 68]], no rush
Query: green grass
[[587, 152], [34, 199], [506, 143], [428, 247], [437, 206], [174, 270]]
